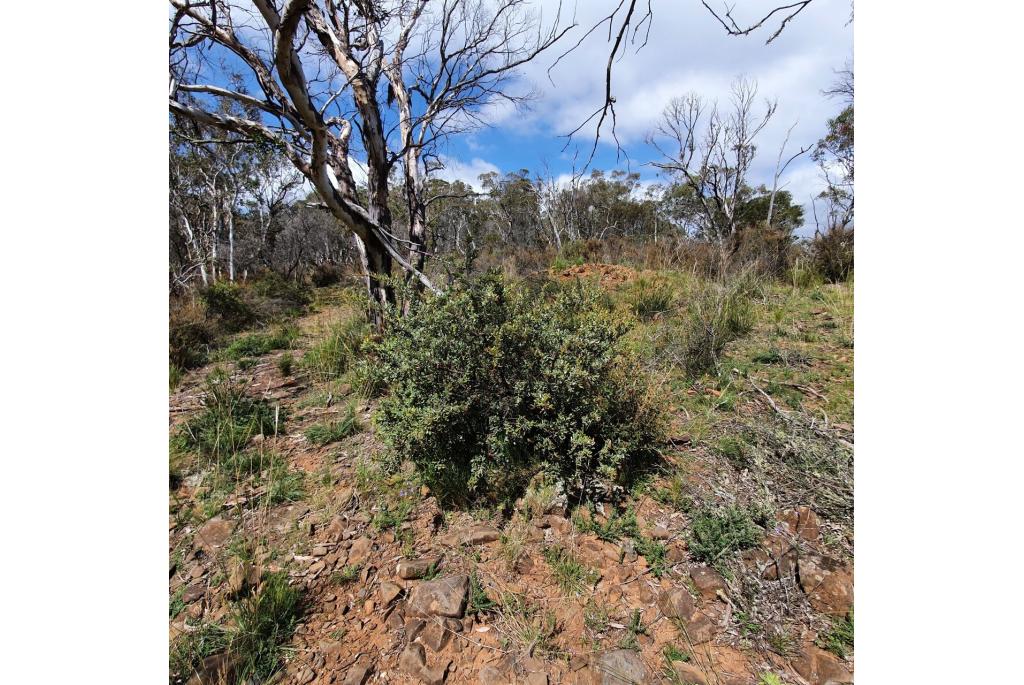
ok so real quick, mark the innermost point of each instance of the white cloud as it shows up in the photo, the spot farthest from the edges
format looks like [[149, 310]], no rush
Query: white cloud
[[467, 172]]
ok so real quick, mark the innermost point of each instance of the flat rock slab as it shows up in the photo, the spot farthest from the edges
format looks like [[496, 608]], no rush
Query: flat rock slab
[[481, 535], [707, 581], [827, 584], [359, 551], [411, 569], [819, 667], [214, 534], [358, 674], [388, 592], [286, 517], [619, 667], [441, 597]]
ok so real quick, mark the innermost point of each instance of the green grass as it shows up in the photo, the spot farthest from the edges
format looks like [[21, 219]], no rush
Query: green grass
[[634, 629], [188, 651], [286, 363], [392, 515], [337, 350], [715, 534], [230, 418], [839, 638], [673, 653], [323, 433], [346, 575], [174, 375], [622, 525], [259, 344], [649, 297], [596, 616], [263, 623], [571, 576], [253, 468], [479, 602], [177, 604]]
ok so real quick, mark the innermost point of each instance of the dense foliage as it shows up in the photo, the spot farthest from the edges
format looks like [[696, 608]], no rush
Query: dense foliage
[[489, 385]]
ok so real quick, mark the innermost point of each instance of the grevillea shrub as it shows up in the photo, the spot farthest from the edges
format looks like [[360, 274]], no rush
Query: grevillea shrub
[[489, 384]]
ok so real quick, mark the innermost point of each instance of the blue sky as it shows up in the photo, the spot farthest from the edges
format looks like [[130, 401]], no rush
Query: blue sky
[[687, 51]]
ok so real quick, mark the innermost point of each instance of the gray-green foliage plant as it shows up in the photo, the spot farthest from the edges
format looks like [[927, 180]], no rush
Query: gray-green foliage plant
[[489, 385]]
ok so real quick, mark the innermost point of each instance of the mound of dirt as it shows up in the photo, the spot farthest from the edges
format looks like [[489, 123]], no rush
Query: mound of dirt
[[606, 274]]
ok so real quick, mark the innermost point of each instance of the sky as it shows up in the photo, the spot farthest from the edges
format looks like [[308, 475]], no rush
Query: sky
[[687, 51]]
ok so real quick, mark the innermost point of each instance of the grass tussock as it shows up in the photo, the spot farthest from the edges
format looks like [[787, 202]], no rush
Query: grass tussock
[[337, 350], [572, 576], [230, 418], [323, 433], [259, 344]]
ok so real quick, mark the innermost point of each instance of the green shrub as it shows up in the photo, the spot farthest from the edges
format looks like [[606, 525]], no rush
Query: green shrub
[[225, 302], [714, 534], [190, 336], [229, 419], [648, 297], [489, 387], [832, 253], [718, 314], [263, 622], [337, 350], [275, 286]]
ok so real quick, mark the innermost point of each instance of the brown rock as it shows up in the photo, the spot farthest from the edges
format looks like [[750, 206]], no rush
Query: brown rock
[[619, 667], [803, 523], [219, 668], [435, 675], [214, 534], [413, 626], [675, 553], [827, 584], [359, 551], [559, 524], [413, 659], [358, 674], [536, 678], [699, 628], [676, 603], [304, 675], [286, 517], [819, 667], [442, 597], [490, 675], [411, 569], [481, 535], [388, 592], [193, 592], [660, 533], [435, 636], [707, 582], [689, 673], [395, 620], [335, 529]]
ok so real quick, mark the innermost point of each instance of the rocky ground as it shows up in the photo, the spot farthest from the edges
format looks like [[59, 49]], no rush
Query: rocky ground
[[395, 590]]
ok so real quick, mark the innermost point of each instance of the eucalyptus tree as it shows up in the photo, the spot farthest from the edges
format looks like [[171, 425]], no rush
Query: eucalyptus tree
[[711, 150], [365, 85]]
